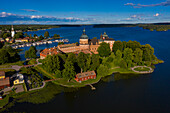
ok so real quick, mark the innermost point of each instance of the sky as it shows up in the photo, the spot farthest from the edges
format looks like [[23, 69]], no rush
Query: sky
[[83, 11]]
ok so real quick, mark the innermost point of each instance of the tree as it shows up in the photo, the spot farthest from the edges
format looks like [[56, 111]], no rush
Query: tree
[[56, 35], [1, 44], [118, 45], [118, 54], [123, 64], [56, 63], [147, 54], [81, 60], [46, 34], [128, 56], [4, 56], [18, 35], [124, 44], [5, 35], [95, 62], [35, 35], [31, 53], [87, 62], [138, 53], [26, 35], [133, 45], [60, 43], [26, 54], [40, 37], [72, 58], [69, 71], [30, 35], [102, 70], [104, 49], [118, 58], [48, 64]]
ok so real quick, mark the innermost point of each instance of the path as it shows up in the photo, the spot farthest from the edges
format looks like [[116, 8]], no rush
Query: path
[[92, 87], [142, 72]]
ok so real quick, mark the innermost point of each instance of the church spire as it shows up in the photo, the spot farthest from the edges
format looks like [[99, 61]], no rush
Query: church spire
[[12, 28]]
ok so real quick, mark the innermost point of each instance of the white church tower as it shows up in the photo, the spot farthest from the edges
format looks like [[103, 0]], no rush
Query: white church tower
[[12, 32]]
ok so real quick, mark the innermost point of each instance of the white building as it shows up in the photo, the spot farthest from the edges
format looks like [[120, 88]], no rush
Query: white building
[[12, 32]]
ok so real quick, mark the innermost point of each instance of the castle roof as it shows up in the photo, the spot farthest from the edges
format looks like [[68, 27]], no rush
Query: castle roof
[[84, 36], [105, 35], [93, 41]]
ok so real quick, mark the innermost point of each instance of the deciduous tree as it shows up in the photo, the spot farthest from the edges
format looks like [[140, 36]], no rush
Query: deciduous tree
[[104, 49]]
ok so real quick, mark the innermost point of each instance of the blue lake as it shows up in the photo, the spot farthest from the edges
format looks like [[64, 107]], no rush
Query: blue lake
[[143, 94]]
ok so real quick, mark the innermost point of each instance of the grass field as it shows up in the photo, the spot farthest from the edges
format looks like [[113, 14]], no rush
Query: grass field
[[141, 69]]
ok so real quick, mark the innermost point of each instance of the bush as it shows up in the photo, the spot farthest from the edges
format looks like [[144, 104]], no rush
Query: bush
[[110, 59]]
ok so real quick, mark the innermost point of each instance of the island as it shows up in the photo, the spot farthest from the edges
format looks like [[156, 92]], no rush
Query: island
[[69, 66]]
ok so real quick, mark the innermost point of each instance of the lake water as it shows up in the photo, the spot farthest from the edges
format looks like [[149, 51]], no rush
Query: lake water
[[142, 94]]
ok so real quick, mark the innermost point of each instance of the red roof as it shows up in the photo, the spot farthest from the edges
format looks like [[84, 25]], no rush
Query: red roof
[[50, 51]]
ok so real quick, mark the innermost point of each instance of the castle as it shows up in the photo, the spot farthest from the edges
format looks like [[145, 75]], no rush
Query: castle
[[86, 45]]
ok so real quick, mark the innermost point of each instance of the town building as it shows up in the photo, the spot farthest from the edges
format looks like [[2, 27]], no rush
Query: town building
[[2, 74], [12, 32], [19, 79], [4, 81], [2, 40], [85, 76], [86, 45], [49, 51]]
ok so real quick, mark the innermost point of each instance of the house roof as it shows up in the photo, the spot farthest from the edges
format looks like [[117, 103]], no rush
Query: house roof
[[4, 81], [85, 74], [94, 41], [2, 73], [50, 51], [20, 77], [67, 45]]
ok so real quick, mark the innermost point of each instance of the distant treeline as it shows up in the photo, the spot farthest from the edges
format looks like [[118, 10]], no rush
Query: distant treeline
[[151, 27], [114, 25], [25, 28], [157, 27]]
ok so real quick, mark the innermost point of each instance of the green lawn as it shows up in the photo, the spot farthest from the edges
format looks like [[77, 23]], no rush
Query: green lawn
[[4, 101], [39, 96], [20, 63], [142, 69], [73, 83]]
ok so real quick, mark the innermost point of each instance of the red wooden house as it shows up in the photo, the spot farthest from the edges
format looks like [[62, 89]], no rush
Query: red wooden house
[[85, 76]]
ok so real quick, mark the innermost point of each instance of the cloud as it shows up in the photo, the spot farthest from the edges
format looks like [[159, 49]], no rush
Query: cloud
[[157, 14], [15, 18], [166, 3], [29, 10]]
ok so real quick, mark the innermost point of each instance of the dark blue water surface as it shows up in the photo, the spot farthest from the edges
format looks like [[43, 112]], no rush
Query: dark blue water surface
[[144, 94]]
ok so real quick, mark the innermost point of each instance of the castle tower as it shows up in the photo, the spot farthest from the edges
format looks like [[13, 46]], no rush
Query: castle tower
[[12, 32], [84, 41], [84, 38], [105, 36]]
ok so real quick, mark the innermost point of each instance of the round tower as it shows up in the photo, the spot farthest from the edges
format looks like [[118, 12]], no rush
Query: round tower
[[84, 41]]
